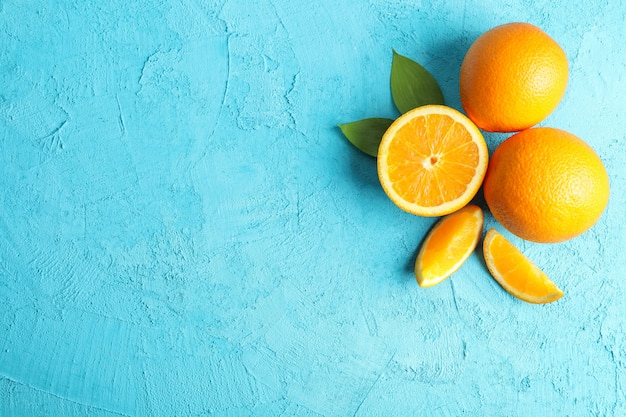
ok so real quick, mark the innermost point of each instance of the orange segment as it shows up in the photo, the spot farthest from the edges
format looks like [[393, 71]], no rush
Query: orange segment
[[448, 245], [432, 160], [516, 273]]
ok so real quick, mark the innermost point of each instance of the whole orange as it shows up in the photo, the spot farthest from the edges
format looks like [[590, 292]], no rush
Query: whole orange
[[546, 185], [512, 77]]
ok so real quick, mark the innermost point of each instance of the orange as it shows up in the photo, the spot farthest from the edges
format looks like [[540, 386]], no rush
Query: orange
[[448, 245], [516, 273], [546, 185], [512, 77], [432, 160]]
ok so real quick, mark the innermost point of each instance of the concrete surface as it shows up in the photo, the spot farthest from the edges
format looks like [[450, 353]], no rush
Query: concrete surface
[[185, 232]]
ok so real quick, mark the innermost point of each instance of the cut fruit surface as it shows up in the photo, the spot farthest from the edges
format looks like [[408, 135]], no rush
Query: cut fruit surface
[[448, 245], [516, 273], [432, 160]]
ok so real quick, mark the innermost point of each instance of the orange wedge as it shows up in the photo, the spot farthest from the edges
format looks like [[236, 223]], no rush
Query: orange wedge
[[448, 245], [432, 160], [516, 273]]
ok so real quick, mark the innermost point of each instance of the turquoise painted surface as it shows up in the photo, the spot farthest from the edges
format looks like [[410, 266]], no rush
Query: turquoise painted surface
[[185, 232]]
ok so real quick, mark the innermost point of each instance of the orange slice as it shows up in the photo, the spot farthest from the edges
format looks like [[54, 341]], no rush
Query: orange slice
[[516, 273], [448, 245], [432, 160]]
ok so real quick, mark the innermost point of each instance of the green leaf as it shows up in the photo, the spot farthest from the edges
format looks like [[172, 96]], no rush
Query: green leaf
[[366, 134], [411, 85]]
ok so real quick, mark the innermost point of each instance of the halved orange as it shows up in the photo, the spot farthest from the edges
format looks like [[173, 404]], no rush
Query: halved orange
[[432, 160], [448, 245], [516, 273]]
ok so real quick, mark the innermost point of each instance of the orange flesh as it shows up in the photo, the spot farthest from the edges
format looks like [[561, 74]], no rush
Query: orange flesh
[[430, 150], [516, 273], [449, 244]]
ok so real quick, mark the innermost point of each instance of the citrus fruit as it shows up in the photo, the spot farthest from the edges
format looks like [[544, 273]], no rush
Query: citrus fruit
[[512, 77], [546, 185], [516, 273], [448, 245], [432, 160]]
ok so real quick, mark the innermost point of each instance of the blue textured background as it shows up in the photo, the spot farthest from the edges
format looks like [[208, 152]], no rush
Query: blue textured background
[[185, 232]]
